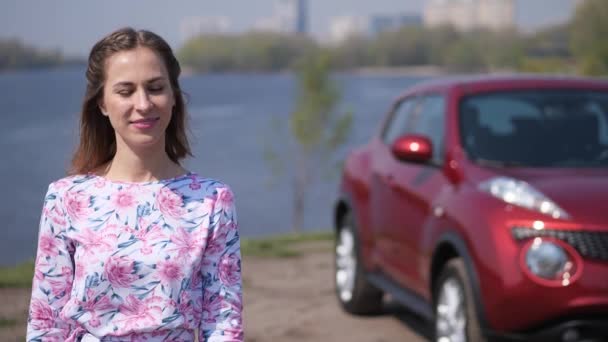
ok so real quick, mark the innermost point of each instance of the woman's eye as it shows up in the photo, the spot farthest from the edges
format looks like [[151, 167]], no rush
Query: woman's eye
[[156, 89], [124, 93]]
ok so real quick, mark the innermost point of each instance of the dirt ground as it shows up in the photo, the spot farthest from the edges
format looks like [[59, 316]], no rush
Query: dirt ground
[[285, 299]]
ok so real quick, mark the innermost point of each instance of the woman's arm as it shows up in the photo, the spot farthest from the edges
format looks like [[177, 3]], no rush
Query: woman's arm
[[221, 272], [53, 274]]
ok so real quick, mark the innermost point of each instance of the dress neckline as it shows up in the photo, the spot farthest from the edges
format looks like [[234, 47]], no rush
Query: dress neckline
[[188, 174]]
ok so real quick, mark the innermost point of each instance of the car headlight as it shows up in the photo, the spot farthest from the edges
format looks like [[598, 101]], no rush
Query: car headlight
[[522, 194], [546, 259]]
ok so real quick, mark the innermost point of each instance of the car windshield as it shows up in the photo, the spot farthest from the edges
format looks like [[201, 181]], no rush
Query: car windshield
[[536, 128]]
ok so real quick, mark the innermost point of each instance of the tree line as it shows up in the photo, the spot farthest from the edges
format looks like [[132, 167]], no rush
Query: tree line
[[577, 46], [410, 46]]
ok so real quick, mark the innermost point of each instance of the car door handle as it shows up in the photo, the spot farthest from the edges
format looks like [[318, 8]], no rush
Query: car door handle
[[387, 179]]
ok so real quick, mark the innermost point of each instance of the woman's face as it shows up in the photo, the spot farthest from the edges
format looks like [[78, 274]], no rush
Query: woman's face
[[137, 98]]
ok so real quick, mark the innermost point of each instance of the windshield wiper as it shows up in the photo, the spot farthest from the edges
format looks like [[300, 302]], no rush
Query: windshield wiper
[[497, 163]]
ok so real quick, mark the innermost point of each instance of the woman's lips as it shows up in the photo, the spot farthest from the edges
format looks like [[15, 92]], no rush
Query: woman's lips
[[145, 123]]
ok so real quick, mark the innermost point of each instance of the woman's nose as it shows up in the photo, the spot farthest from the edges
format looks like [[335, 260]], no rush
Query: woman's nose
[[142, 101]]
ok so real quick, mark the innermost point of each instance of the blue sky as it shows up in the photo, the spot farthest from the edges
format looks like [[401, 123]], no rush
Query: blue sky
[[74, 25]]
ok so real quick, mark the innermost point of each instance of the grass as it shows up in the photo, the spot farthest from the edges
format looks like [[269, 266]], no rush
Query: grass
[[19, 276], [280, 246], [6, 322]]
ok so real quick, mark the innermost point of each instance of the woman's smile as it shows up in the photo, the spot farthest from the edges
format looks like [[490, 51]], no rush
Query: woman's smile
[[145, 123]]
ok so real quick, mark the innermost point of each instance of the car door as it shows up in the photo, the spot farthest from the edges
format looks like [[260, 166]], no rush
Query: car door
[[384, 206], [415, 188]]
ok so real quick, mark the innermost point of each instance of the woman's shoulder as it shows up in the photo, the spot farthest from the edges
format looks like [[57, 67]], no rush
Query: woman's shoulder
[[218, 192], [196, 188], [67, 182], [210, 186]]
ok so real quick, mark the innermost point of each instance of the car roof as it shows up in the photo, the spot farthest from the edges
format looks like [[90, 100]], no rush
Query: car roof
[[480, 82]]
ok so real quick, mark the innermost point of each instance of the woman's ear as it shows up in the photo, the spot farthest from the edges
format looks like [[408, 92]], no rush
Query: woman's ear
[[102, 108]]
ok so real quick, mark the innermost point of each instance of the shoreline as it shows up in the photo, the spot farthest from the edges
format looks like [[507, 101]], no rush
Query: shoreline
[[403, 71]]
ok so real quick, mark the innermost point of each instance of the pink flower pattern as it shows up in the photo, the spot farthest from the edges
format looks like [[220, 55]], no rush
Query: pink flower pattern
[[148, 236], [229, 267], [127, 262], [169, 272], [47, 245], [77, 205], [120, 271], [140, 313], [94, 244], [170, 203], [124, 199], [185, 244]]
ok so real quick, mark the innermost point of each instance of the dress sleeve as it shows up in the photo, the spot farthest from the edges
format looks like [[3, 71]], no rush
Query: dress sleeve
[[53, 274], [221, 272]]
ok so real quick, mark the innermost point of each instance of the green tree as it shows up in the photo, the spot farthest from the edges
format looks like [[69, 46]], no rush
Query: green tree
[[549, 42], [315, 126], [589, 30], [253, 51], [464, 55], [316, 129], [439, 40], [406, 46], [355, 51]]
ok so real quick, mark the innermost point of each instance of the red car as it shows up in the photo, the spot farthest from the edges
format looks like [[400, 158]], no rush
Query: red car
[[481, 203]]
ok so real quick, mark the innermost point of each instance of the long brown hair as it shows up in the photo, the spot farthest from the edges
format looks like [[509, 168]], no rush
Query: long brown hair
[[97, 139]]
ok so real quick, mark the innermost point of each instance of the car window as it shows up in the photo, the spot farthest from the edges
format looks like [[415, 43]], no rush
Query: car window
[[505, 110], [397, 124], [536, 128], [429, 120]]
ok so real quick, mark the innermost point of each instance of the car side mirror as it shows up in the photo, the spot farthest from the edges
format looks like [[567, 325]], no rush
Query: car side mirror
[[413, 148]]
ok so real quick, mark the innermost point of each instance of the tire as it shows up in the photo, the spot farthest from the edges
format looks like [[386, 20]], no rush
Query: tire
[[355, 294], [454, 291]]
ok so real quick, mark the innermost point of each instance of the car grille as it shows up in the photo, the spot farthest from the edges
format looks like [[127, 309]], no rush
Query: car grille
[[590, 245]]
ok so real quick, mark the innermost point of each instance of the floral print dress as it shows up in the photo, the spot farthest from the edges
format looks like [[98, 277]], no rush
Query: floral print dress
[[152, 261]]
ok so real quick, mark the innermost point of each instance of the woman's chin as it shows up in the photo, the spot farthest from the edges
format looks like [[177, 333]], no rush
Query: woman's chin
[[145, 141]]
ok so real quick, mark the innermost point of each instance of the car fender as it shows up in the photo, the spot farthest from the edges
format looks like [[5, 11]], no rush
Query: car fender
[[454, 240], [344, 203]]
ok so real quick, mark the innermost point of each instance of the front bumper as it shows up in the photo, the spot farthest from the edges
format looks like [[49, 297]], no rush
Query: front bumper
[[593, 329]]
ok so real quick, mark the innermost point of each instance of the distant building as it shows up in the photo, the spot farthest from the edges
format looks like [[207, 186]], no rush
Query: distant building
[[470, 14], [496, 14], [193, 26], [289, 16], [347, 26], [384, 22], [344, 27]]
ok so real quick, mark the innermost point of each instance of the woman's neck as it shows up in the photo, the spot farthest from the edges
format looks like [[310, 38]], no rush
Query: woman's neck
[[141, 166]]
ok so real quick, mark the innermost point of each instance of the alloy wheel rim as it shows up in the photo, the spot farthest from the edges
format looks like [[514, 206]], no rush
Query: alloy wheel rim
[[450, 323], [346, 264]]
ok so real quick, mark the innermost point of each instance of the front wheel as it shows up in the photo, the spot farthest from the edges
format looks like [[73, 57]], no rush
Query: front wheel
[[354, 292], [455, 313]]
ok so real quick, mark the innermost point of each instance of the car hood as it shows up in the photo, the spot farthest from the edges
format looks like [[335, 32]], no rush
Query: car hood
[[583, 194]]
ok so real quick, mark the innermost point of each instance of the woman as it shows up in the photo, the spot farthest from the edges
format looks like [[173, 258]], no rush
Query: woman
[[133, 247]]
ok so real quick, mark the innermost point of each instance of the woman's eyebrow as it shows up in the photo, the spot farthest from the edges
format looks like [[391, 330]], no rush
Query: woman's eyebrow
[[154, 79], [122, 84], [128, 83]]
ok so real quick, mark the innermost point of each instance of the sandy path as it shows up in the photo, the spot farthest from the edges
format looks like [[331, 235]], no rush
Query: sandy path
[[293, 300]]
